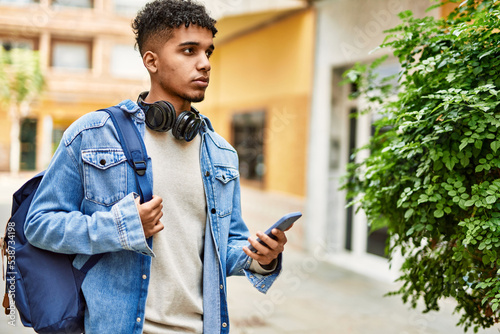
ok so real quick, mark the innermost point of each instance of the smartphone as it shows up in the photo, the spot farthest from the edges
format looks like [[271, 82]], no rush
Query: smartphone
[[285, 222]]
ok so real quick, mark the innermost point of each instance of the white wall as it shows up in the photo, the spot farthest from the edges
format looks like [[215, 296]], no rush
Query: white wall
[[220, 8], [347, 30]]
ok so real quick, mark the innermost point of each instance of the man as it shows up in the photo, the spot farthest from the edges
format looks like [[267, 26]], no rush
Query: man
[[166, 260]]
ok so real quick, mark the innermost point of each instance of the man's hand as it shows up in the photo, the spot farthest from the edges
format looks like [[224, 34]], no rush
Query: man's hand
[[266, 255], [150, 214]]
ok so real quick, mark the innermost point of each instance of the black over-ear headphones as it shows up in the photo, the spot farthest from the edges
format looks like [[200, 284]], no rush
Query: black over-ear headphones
[[161, 116]]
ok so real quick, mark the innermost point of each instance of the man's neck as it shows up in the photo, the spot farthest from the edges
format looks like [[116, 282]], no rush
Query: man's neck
[[179, 104]]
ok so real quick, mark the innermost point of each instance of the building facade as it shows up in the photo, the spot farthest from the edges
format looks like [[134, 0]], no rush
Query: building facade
[[346, 35], [87, 55]]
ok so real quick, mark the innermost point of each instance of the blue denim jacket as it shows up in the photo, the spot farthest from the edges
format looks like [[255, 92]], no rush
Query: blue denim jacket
[[85, 205]]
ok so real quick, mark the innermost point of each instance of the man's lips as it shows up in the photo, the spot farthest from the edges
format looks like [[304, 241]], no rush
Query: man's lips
[[202, 81]]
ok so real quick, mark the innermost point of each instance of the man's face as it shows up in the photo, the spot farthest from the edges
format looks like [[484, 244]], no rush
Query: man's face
[[182, 65]]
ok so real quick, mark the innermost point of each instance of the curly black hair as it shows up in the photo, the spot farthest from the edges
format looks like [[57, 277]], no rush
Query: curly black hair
[[156, 21]]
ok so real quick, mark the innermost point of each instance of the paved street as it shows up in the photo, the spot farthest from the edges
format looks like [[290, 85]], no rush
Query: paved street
[[311, 296]]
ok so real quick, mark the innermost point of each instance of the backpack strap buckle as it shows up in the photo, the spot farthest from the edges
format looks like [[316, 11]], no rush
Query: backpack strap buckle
[[140, 167]]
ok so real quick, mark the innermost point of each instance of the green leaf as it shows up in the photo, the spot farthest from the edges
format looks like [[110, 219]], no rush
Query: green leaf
[[494, 307], [487, 53], [469, 202], [419, 227], [495, 145], [491, 199], [438, 213], [463, 144], [409, 213], [464, 161]]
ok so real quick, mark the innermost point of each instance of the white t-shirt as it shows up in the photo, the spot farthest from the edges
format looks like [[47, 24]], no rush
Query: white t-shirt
[[175, 296]]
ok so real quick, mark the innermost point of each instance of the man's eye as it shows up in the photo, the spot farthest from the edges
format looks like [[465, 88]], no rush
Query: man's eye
[[209, 53], [189, 50]]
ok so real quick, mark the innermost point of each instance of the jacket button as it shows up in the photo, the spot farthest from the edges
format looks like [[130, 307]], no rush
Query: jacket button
[[102, 162], [138, 319], [213, 211], [207, 173], [144, 277], [224, 324]]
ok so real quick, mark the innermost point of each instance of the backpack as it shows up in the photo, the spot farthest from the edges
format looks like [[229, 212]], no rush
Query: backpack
[[44, 286]]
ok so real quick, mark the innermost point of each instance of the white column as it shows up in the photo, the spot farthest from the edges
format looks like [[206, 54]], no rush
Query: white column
[[97, 57], [100, 5], [44, 152], [318, 153], [360, 225], [44, 51]]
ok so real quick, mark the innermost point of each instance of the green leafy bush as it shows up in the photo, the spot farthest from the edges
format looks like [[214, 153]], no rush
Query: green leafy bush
[[433, 173]]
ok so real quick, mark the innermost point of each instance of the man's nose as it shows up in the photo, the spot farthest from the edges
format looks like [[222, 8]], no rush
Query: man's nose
[[204, 63]]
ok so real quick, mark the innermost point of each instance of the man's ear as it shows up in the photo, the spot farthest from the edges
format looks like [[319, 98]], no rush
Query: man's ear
[[149, 59]]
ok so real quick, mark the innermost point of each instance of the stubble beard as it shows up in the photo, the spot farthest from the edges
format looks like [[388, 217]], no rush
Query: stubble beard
[[194, 98]]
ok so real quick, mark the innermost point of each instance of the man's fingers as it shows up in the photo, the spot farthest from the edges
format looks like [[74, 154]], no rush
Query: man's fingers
[[267, 254], [278, 238], [257, 245], [160, 214], [280, 235], [151, 230], [155, 203], [270, 242], [150, 214], [158, 227]]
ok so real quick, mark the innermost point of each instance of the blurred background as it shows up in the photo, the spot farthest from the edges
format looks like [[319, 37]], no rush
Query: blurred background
[[274, 95]]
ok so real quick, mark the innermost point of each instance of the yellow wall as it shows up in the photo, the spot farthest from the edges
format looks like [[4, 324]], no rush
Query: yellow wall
[[269, 69], [447, 8]]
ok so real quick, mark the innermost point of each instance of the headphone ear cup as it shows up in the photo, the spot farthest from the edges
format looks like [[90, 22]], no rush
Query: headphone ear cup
[[187, 126], [160, 116], [192, 128], [169, 113]]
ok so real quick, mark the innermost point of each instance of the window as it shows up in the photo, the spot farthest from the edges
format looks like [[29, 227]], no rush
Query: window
[[248, 139], [9, 44], [73, 3], [71, 55], [28, 144], [18, 2], [128, 7], [126, 62]]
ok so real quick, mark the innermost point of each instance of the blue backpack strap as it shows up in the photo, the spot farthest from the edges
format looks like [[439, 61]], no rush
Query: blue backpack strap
[[134, 149], [135, 152]]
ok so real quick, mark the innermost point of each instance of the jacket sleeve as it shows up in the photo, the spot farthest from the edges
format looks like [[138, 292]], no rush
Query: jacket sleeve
[[238, 262], [55, 221]]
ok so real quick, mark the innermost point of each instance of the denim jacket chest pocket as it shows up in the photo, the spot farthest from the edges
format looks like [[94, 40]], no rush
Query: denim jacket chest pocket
[[225, 176], [105, 175]]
